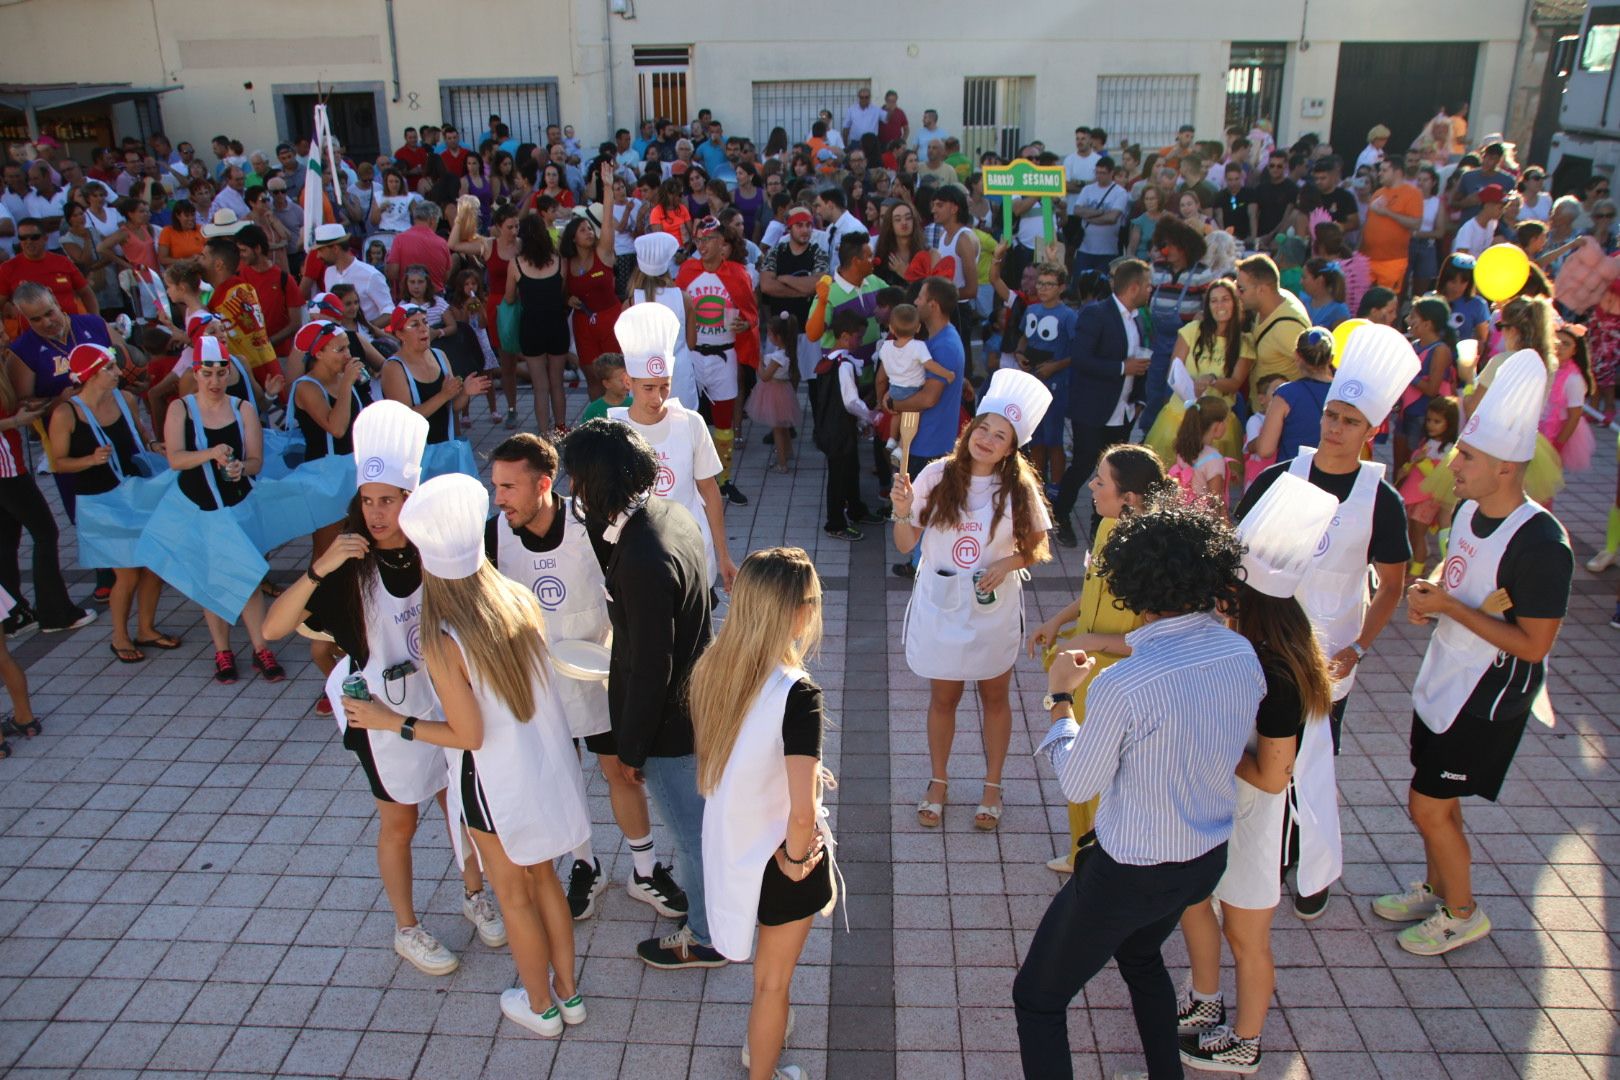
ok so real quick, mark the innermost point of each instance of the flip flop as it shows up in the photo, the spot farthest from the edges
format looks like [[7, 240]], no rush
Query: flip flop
[[130, 655], [162, 641], [937, 809]]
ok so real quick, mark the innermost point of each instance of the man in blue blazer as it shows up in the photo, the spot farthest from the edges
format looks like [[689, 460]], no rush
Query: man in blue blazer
[[1106, 364]]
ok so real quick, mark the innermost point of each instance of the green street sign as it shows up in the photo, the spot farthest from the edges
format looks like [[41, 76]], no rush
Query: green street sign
[[1023, 178]]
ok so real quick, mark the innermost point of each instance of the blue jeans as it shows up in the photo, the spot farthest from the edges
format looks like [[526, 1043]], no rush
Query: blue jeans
[[672, 785]]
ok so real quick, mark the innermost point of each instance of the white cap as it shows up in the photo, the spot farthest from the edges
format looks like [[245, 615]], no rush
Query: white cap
[[647, 334], [1019, 397], [1282, 533], [654, 252], [389, 439], [1507, 421], [445, 520], [1377, 365]]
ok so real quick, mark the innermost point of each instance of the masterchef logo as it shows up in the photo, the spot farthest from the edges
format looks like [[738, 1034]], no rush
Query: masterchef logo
[[966, 552]]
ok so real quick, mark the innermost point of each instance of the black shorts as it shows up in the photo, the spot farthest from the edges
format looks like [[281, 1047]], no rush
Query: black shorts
[[1471, 757], [358, 741], [783, 900], [604, 743], [474, 807]]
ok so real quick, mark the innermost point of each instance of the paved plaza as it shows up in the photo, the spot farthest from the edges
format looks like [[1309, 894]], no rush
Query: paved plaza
[[188, 881]]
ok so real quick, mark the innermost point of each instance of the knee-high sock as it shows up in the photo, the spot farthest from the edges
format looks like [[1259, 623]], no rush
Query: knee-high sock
[[723, 438], [1611, 541]]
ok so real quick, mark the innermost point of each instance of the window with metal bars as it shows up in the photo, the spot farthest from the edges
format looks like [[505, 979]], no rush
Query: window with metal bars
[[662, 74], [794, 104], [993, 114], [524, 105], [1145, 109], [1254, 79]]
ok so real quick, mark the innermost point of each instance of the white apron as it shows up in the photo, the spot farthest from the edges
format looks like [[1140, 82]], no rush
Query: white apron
[[949, 635], [1313, 796], [573, 601], [533, 789], [1335, 593], [1457, 658], [674, 440], [746, 819], [410, 771]]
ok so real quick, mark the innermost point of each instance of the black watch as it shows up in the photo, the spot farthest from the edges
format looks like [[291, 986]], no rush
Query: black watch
[[407, 730]]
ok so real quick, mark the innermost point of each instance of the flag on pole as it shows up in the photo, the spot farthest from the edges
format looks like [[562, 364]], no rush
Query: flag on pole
[[312, 178]]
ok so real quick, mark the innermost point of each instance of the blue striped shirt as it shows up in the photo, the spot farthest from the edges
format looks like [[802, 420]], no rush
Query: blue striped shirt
[[1164, 730]]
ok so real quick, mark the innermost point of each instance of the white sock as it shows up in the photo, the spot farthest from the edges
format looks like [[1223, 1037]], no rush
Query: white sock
[[1196, 996], [641, 850], [583, 853]]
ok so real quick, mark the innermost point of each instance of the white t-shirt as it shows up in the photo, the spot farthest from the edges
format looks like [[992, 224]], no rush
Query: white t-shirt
[[1370, 155], [376, 300], [1083, 169], [940, 543], [624, 239], [903, 364], [1474, 236], [396, 211], [784, 364], [1251, 430], [1104, 239], [921, 137], [861, 121], [1539, 209]]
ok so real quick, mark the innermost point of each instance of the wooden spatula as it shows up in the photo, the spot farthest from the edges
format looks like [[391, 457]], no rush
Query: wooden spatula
[[908, 431]]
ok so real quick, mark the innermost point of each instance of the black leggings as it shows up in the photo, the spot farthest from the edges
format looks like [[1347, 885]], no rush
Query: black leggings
[[22, 506]]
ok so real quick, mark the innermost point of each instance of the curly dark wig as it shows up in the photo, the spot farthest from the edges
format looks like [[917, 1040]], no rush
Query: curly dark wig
[[610, 466], [1173, 558]]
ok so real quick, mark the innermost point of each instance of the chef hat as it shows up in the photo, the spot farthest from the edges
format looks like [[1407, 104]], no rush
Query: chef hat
[[1282, 533], [87, 359], [1506, 422], [445, 520], [1377, 365], [647, 334], [1020, 398], [654, 252], [389, 439], [208, 352]]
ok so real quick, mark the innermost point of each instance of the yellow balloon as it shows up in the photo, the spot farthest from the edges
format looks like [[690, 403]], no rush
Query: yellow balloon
[[1341, 335], [1501, 271]]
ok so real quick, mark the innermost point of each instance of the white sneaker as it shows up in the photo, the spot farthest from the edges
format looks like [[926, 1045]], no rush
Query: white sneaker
[[1602, 561], [573, 1010], [480, 910], [786, 1035], [1063, 864], [515, 1006], [423, 950], [1417, 903], [789, 1072]]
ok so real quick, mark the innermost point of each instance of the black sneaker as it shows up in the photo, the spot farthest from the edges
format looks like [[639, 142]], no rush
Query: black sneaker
[[677, 951], [846, 533], [904, 570], [869, 517], [1065, 534], [20, 622], [585, 884], [1196, 1017], [1220, 1050], [1311, 907], [735, 497], [659, 891], [84, 618]]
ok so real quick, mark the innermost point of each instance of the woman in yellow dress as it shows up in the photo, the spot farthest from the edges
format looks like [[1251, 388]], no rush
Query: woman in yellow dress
[[1217, 355], [1127, 477]]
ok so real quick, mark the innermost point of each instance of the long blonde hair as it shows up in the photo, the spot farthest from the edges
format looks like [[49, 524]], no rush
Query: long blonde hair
[[771, 587], [500, 628]]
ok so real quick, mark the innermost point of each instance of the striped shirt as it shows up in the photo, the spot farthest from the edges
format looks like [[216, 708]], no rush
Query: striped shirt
[[1164, 730]]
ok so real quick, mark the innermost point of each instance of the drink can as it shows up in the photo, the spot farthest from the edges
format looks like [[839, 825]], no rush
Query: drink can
[[980, 596], [354, 686]]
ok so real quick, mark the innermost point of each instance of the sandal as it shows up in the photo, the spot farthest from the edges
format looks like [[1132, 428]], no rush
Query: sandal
[[9, 726], [270, 589], [162, 641], [129, 655], [986, 818], [936, 810]]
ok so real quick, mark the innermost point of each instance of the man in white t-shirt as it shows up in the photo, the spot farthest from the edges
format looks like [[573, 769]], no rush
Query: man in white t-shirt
[[376, 301], [1479, 232], [1103, 206], [861, 118], [1080, 167]]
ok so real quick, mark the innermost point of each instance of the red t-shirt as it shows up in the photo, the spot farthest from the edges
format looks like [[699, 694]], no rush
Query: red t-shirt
[[56, 272], [455, 160], [278, 296], [421, 245], [414, 158], [315, 270], [889, 130]]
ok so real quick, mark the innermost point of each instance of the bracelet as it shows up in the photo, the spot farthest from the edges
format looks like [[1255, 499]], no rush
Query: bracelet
[[798, 862], [898, 520], [313, 576]]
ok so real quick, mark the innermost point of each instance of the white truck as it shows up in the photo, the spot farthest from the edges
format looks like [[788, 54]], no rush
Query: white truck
[[1589, 115]]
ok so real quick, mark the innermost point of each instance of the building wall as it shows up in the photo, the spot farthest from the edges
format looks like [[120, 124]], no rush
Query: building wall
[[212, 50]]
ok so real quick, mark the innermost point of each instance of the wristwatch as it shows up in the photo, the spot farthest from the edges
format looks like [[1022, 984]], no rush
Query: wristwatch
[[1361, 654], [407, 730], [1052, 701]]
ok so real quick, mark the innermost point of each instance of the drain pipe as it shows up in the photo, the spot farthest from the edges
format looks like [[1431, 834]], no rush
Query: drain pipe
[[393, 47], [607, 67]]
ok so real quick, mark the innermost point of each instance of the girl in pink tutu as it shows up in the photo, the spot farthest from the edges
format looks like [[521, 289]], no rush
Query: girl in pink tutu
[[1564, 421], [775, 402], [1424, 511]]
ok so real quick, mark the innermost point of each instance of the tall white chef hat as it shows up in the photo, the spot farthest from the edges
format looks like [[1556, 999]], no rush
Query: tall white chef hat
[[1377, 365], [389, 438], [1282, 533], [654, 252], [1505, 424], [1019, 397], [445, 520], [647, 334]]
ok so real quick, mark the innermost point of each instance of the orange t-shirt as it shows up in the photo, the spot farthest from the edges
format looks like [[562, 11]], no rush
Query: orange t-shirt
[[672, 222], [182, 244], [1383, 239]]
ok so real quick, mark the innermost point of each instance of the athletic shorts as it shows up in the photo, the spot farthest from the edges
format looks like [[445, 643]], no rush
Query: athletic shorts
[[1471, 757], [603, 743], [716, 375]]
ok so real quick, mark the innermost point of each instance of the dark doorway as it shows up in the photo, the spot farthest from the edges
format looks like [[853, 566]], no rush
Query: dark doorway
[[353, 117], [1400, 85]]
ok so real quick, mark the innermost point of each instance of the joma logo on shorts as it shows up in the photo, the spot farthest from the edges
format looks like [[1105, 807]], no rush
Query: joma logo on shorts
[[1453, 776]]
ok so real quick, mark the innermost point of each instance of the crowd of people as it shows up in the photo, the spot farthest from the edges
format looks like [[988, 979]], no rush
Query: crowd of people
[[1233, 331]]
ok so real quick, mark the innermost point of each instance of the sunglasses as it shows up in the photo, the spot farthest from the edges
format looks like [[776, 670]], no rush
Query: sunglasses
[[26, 237], [1595, 217]]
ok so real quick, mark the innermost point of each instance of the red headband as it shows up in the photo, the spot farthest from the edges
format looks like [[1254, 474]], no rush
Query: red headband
[[402, 315]]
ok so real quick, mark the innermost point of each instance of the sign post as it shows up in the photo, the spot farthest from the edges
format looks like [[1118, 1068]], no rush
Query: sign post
[[1022, 178]]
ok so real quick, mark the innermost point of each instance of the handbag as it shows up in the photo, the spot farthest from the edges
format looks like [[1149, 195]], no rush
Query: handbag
[[509, 321]]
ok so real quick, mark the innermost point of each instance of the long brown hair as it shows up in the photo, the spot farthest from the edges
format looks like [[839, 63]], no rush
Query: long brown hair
[[1279, 630], [949, 498], [889, 240], [1200, 416], [1532, 318], [1208, 328], [500, 629], [771, 589]]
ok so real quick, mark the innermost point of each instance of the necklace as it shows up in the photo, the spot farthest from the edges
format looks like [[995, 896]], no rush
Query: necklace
[[396, 559]]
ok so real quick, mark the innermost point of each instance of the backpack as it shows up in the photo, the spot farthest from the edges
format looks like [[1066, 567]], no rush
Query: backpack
[[836, 431]]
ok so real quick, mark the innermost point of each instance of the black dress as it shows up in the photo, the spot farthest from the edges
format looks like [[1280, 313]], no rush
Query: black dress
[[194, 482], [544, 328], [99, 479]]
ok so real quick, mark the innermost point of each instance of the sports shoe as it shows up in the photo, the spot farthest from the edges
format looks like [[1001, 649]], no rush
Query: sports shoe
[[1063, 864], [323, 706], [1065, 534], [659, 890], [679, 950], [585, 883], [848, 533], [1195, 1017], [515, 1006], [573, 1010], [225, 667], [1220, 1050], [863, 516], [424, 952], [1415, 904], [511, 420], [102, 594], [735, 497], [21, 621], [1310, 907], [1443, 931], [86, 617], [747, 1059], [789, 1072], [1602, 561], [265, 663], [480, 910]]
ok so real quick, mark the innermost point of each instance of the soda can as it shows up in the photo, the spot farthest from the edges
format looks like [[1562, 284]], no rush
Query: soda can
[[982, 597], [354, 686]]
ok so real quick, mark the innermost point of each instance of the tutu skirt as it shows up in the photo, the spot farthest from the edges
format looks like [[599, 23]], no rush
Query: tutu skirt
[[1420, 505], [450, 456], [1577, 452], [205, 554], [1544, 477], [283, 452], [775, 404]]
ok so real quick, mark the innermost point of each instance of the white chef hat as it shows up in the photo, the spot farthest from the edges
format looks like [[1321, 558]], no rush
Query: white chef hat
[[445, 520], [1282, 533], [1506, 422], [654, 252], [1377, 365], [647, 334], [1019, 397], [389, 439]]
